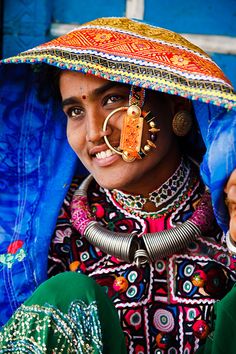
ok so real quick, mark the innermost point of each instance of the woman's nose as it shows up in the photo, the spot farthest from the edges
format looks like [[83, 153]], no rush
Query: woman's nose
[[94, 131]]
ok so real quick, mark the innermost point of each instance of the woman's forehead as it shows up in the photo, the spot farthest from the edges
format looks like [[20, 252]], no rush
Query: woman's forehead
[[80, 80], [80, 76], [77, 83]]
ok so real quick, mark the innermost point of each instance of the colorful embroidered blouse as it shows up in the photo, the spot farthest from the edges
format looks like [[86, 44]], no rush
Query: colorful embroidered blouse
[[165, 306]]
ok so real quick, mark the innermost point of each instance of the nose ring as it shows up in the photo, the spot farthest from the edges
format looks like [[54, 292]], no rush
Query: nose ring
[[131, 134]]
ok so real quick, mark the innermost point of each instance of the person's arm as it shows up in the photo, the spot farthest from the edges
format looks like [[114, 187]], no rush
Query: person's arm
[[223, 338]]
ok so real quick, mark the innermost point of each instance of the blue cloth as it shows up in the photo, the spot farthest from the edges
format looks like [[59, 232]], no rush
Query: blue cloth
[[33, 147], [218, 129], [37, 166]]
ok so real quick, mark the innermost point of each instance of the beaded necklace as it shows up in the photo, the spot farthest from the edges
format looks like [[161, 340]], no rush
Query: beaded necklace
[[165, 193]]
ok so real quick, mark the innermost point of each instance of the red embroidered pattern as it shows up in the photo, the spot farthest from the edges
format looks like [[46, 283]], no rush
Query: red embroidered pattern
[[123, 50]]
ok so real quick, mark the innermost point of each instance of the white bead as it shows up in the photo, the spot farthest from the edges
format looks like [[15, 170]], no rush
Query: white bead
[[134, 111]]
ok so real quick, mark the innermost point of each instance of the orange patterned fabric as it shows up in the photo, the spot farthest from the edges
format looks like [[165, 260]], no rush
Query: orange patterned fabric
[[131, 46], [124, 50]]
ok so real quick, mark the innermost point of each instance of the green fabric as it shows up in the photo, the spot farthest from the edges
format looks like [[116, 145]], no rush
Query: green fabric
[[69, 313], [223, 338]]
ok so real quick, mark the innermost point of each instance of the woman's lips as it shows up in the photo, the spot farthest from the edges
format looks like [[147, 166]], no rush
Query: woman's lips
[[105, 157], [98, 148], [103, 154]]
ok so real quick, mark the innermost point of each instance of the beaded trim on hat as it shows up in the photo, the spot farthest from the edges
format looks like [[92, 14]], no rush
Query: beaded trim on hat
[[132, 52], [167, 191]]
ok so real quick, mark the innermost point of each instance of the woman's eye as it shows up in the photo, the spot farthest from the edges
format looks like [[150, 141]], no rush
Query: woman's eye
[[113, 99], [74, 113]]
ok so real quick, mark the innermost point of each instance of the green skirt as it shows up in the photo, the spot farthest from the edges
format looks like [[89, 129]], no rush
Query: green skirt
[[68, 313], [222, 339]]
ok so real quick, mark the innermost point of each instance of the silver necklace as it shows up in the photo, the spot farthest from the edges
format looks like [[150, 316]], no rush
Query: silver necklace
[[129, 247]]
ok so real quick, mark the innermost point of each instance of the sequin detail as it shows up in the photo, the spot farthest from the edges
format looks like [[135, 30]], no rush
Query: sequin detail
[[33, 326]]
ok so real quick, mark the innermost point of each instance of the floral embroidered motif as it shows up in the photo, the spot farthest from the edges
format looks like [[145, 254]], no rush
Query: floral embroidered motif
[[180, 60], [103, 37], [15, 252]]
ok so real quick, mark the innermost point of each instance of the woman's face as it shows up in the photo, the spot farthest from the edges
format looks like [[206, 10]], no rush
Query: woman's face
[[86, 101]]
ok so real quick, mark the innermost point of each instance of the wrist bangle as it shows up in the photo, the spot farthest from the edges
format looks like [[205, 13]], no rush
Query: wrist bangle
[[230, 244]]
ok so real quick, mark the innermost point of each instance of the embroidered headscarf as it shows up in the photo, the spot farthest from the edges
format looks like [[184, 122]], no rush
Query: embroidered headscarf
[[36, 162]]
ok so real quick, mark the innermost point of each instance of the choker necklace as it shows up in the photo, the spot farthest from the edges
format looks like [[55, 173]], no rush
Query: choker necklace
[[163, 194], [130, 247]]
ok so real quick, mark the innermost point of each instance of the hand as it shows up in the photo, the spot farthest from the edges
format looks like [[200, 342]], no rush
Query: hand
[[230, 190]]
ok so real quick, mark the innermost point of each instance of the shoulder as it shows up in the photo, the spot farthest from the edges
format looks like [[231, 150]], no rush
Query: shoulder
[[65, 207]]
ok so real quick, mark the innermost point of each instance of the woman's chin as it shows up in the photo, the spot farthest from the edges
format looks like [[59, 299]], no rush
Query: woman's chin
[[111, 181]]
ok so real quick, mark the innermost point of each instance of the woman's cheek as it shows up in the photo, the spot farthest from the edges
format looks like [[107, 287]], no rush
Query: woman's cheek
[[71, 138], [74, 135]]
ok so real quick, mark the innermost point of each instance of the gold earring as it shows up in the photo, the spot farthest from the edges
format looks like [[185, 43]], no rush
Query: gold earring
[[182, 123]]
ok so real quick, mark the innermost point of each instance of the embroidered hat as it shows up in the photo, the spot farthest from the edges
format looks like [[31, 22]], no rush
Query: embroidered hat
[[128, 51]]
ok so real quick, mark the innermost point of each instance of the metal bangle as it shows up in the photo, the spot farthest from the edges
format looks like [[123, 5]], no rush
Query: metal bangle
[[230, 243]]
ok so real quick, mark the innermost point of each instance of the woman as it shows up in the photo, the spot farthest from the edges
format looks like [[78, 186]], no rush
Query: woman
[[130, 93]]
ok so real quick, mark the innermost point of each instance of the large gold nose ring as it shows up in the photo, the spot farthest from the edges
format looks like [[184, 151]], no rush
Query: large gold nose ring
[[131, 133], [104, 128]]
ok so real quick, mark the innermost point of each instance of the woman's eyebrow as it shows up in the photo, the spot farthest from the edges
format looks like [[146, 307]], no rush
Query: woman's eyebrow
[[100, 90], [69, 101], [96, 92]]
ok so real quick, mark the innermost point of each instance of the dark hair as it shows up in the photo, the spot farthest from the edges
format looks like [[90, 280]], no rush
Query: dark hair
[[47, 79]]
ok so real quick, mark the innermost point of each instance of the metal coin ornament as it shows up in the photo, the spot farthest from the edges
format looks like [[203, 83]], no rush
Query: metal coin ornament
[[182, 123]]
